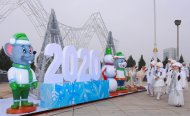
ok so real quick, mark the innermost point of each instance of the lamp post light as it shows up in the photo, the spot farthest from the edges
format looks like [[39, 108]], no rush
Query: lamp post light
[[177, 23]]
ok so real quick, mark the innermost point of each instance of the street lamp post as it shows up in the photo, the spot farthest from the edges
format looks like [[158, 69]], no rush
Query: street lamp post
[[155, 50], [177, 23]]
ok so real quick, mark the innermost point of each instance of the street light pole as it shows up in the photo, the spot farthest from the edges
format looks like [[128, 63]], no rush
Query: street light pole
[[177, 23], [155, 50], [177, 42]]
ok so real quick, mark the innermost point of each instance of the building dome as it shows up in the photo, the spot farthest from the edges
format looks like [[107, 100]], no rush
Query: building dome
[[155, 50]]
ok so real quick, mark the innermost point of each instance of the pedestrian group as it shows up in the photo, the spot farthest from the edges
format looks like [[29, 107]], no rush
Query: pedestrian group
[[171, 80]]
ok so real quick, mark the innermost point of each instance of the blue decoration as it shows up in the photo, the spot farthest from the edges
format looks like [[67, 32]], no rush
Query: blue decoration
[[60, 95]]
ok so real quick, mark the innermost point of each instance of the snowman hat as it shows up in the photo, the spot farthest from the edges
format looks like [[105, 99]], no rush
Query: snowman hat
[[108, 51], [19, 38], [177, 64], [153, 63], [119, 55], [159, 64]]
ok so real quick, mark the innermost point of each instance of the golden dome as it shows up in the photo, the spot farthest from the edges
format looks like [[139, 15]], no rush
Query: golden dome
[[155, 50]]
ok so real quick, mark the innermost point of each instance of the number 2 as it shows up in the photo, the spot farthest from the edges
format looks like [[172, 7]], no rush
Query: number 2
[[53, 50]]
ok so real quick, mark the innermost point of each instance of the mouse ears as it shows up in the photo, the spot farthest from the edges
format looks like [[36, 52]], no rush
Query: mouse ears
[[8, 48]]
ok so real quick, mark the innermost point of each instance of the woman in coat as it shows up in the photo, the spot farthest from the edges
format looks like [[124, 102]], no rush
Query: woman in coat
[[176, 86]]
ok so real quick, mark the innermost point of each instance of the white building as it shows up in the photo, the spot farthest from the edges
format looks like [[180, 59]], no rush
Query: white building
[[170, 53]]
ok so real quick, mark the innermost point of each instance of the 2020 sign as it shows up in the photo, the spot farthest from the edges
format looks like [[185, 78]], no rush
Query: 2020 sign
[[68, 59]]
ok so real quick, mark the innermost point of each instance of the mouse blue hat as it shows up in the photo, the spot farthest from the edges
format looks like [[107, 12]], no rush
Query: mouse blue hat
[[19, 38]]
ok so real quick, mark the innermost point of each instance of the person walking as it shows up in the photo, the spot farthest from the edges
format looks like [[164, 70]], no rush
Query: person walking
[[159, 80], [150, 80], [176, 86]]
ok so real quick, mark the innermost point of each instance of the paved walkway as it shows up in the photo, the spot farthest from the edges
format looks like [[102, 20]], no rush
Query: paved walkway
[[138, 104], [5, 91]]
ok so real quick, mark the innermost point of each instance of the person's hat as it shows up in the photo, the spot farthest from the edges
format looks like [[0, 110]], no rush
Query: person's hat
[[153, 63], [184, 63], [159, 64], [173, 61], [170, 59], [177, 64]]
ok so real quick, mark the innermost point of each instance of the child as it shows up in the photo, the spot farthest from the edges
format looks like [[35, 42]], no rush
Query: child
[[150, 80], [159, 80]]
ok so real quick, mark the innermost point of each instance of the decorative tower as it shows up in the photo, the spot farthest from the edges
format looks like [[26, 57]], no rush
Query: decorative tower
[[52, 35]]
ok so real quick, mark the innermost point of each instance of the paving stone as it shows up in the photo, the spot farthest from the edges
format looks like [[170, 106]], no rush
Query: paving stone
[[138, 104]]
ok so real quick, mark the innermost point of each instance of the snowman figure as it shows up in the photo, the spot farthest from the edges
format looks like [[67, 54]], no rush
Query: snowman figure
[[109, 71]]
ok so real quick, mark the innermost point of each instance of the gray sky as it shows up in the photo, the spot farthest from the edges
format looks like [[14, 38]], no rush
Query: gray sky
[[131, 22]]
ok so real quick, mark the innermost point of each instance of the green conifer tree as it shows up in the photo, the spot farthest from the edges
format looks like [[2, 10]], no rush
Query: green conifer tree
[[141, 63], [5, 62], [181, 59], [131, 62], [165, 61]]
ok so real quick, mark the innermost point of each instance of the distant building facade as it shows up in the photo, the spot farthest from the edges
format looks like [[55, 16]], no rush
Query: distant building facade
[[170, 53]]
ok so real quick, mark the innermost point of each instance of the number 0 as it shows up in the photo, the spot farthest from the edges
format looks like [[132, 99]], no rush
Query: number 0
[[95, 65], [70, 64]]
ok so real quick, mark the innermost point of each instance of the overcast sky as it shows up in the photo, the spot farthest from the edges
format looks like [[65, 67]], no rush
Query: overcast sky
[[131, 22]]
